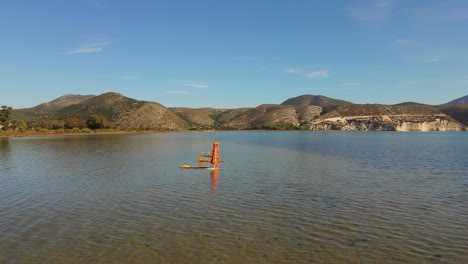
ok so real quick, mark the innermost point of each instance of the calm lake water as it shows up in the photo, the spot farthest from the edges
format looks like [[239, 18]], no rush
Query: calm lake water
[[280, 197]]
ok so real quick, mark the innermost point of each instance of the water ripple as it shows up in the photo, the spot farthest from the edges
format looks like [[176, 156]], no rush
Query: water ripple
[[279, 198]]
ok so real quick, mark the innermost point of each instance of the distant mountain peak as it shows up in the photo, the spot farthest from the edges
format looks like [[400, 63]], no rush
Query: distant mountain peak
[[458, 101], [318, 100], [66, 96], [112, 94]]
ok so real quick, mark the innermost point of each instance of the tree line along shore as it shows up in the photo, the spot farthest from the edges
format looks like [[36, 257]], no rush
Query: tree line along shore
[[72, 125]]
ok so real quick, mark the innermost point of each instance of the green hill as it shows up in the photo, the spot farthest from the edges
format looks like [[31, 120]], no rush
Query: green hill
[[109, 105], [122, 111], [302, 112], [318, 100]]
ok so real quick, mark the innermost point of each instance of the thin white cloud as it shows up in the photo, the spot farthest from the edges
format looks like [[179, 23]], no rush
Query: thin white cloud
[[196, 85], [439, 11], [292, 70], [410, 46], [371, 10], [308, 75], [176, 92], [128, 78], [432, 60], [90, 48], [350, 84], [123, 77], [425, 51], [317, 74], [402, 42]]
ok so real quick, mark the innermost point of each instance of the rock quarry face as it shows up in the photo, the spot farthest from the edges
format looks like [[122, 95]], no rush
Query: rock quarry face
[[436, 125], [387, 123]]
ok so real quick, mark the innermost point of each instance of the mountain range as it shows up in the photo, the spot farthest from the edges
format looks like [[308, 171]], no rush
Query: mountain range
[[309, 112]]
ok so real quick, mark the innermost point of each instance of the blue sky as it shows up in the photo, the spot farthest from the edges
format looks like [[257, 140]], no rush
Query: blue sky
[[229, 54]]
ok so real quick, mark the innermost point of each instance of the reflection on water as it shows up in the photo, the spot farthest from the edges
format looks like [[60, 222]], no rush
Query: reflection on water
[[287, 197], [4, 146], [214, 181], [4, 153]]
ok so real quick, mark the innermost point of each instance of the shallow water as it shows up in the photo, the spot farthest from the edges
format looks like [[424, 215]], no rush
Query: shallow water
[[279, 197]]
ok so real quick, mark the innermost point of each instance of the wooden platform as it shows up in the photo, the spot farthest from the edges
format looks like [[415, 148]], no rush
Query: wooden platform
[[184, 166]]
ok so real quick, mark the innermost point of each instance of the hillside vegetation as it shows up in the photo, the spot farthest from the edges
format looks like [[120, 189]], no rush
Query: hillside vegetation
[[458, 112], [311, 112], [108, 110], [50, 110], [318, 100], [378, 109], [203, 118]]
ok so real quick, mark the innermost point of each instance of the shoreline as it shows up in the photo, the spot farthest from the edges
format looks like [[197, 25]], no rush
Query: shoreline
[[8, 134], [67, 133]]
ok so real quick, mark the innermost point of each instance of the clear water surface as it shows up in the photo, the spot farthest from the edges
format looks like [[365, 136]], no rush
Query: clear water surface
[[279, 197]]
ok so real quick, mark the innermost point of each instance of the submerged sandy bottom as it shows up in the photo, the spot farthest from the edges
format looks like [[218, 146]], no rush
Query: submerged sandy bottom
[[123, 199]]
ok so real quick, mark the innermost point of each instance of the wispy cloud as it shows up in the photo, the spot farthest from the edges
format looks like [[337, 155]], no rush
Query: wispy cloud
[[371, 10], [123, 77], [177, 92], [196, 85], [292, 70], [440, 11], [90, 48], [317, 74], [453, 11], [432, 60], [308, 75], [128, 78], [426, 51], [350, 84], [402, 42]]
